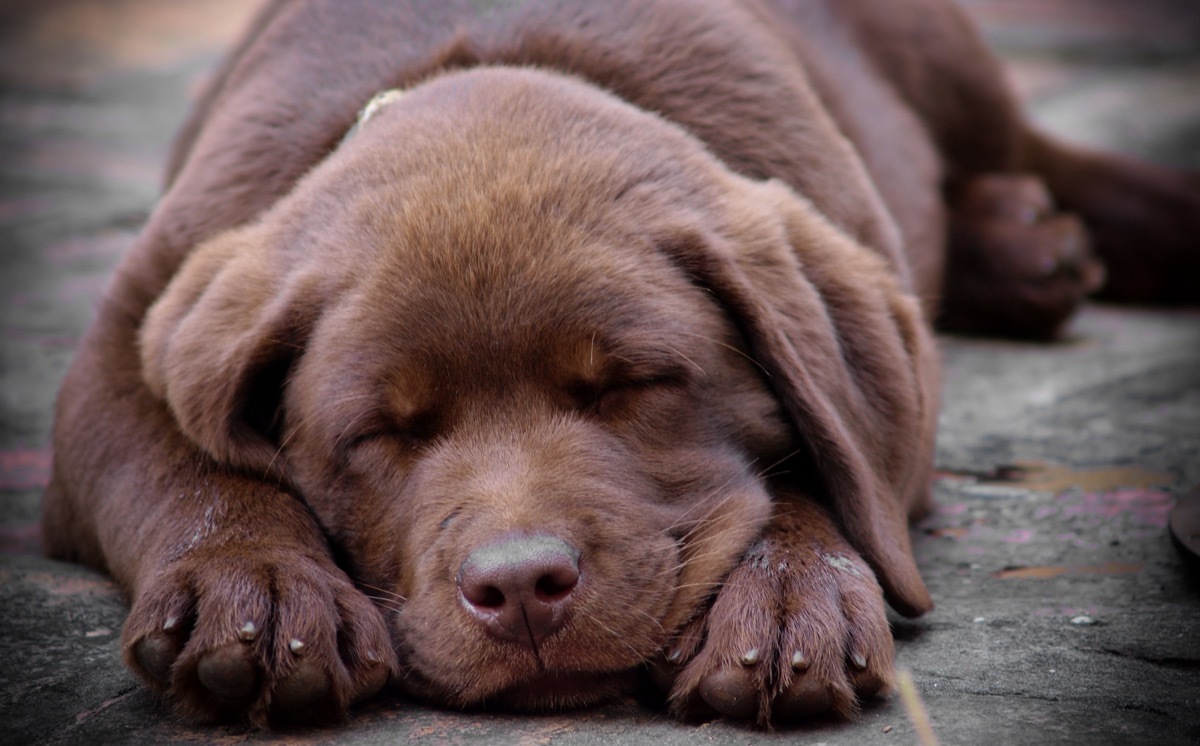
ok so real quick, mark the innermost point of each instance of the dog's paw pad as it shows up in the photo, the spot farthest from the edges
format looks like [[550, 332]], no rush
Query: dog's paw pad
[[731, 691], [304, 686], [804, 698], [156, 653], [229, 673]]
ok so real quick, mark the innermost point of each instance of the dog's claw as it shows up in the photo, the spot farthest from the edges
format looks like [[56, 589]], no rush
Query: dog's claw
[[799, 662], [247, 632]]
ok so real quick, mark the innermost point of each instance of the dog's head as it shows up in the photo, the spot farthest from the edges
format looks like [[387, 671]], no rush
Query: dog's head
[[534, 359]]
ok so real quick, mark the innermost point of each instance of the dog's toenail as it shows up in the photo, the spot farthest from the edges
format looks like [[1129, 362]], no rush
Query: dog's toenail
[[296, 645], [859, 660], [170, 624], [373, 657], [751, 657], [799, 662], [247, 632], [674, 655]]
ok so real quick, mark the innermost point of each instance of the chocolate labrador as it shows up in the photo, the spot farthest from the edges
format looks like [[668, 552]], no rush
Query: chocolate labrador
[[514, 351]]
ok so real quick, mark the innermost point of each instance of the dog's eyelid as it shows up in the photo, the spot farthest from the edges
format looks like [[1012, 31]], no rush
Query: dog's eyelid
[[672, 373], [413, 428], [599, 395], [663, 379]]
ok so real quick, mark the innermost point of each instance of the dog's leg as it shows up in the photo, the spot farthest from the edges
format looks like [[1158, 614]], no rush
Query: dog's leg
[[1144, 219], [238, 606], [798, 629], [1016, 266]]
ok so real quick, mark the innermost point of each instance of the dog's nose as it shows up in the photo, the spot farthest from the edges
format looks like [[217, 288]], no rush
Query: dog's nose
[[520, 586]]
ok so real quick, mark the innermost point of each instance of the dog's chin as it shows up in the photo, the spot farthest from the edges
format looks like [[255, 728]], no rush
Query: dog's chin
[[563, 690], [544, 691]]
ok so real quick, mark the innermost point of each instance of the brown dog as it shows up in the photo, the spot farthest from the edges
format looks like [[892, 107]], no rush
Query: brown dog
[[598, 343]]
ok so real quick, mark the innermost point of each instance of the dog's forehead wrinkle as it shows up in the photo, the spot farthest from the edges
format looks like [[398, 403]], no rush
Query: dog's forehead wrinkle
[[532, 320]]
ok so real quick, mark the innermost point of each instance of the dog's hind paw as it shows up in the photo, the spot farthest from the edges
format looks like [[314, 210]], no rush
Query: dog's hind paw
[[275, 636], [797, 630], [1016, 267]]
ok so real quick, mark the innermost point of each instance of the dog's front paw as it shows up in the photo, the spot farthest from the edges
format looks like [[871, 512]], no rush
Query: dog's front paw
[[273, 634], [797, 630]]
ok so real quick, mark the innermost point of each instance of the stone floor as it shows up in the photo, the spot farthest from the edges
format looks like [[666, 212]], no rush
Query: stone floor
[[1064, 613]]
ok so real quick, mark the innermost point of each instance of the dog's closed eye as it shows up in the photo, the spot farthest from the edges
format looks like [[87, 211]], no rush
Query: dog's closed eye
[[410, 430], [613, 397]]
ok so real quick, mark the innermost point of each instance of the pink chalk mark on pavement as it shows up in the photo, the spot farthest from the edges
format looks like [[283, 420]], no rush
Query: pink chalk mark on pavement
[[26, 539], [83, 287], [24, 468], [1019, 536], [950, 509], [88, 714], [108, 246], [1146, 507], [42, 340], [11, 209]]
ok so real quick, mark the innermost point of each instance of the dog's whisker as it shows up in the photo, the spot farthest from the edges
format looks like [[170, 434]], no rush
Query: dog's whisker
[[704, 504], [286, 343], [365, 414], [385, 604], [652, 618], [388, 593], [691, 362], [620, 638], [727, 346], [795, 452], [282, 445], [699, 523]]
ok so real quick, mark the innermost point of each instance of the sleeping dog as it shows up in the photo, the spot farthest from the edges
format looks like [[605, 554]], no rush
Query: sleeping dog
[[513, 351]]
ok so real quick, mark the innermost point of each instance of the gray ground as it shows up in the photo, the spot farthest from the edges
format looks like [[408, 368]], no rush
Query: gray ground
[[1064, 613]]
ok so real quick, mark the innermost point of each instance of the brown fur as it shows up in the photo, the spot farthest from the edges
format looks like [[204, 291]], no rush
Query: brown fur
[[647, 278]]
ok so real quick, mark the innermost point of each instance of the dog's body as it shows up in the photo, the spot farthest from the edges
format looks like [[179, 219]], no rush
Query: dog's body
[[602, 344]]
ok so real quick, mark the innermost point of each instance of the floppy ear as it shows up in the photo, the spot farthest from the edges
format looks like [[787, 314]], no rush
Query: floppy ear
[[218, 344], [847, 353]]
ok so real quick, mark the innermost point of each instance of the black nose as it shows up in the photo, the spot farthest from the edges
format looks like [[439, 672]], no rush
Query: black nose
[[521, 586]]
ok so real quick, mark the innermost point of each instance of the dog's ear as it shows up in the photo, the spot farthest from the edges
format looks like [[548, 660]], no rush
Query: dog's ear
[[219, 343], [845, 350]]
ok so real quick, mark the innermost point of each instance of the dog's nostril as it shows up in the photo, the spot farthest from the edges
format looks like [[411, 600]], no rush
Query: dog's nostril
[[487, 597], [551, 587], [521, 586]]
